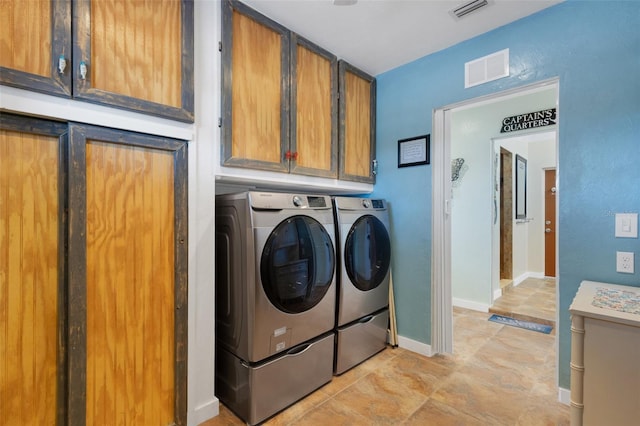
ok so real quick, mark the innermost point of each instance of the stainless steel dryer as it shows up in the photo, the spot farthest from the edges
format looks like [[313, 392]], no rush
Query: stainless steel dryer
[[364, 252], [275, 300]]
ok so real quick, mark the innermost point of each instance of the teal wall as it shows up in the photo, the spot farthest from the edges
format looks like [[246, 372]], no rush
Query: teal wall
[[593, 48]]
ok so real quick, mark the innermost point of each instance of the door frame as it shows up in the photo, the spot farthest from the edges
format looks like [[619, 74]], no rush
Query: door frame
[[441, 295]]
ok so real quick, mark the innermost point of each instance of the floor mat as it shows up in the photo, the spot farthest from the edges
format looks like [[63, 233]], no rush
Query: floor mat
[[527, 325]]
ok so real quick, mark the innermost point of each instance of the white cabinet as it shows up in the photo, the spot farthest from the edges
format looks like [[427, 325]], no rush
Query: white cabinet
[[605, 355]]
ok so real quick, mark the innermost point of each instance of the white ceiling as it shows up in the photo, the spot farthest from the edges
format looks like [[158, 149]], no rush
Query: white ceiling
[[379, 35]]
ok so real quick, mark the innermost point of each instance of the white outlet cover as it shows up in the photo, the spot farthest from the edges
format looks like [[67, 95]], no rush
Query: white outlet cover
[[625, 262], [627, 225]]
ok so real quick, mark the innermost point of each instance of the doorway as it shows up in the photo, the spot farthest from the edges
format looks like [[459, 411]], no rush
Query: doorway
[[444, 209]]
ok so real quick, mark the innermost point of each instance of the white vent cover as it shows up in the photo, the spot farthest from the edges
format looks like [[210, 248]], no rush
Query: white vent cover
[[467, 8], [487, 68]]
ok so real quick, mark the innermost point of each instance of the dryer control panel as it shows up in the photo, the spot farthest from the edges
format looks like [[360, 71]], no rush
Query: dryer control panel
[[279, 201]]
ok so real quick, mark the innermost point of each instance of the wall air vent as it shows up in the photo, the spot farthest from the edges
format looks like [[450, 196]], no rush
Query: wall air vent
[[487, 68], [467, 8]]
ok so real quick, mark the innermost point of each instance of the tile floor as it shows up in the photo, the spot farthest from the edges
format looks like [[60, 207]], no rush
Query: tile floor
[[498, 375], [534, 299]]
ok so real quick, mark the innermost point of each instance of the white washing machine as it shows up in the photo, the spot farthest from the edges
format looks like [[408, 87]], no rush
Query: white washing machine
[[275, 299], [364, 253]]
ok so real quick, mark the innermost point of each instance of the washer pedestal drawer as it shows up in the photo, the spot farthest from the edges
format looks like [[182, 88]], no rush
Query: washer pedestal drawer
[[361, 340], [259, 390]]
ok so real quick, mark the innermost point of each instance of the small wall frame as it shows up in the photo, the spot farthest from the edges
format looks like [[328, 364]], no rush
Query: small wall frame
[[414, 151]]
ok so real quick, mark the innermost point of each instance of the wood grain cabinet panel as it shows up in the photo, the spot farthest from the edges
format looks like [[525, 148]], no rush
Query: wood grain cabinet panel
[[130, 54], [314, 108], [32, 384], [357, 124], [93, 275], [35, 39], [255, 98], [128, 279]]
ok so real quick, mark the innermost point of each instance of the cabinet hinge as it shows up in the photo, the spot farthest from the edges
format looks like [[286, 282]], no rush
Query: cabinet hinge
[[219, 121], [219, 46], [375, 167]]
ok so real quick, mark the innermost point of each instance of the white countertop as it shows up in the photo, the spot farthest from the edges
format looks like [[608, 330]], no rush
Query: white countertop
[[583, 303]]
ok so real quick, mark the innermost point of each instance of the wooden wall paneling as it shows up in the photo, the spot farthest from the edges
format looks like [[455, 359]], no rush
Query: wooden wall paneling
[[255, 89], [128, 278], [139, 55], [34, 34], [314, 101], [32, 271], [357, 124]]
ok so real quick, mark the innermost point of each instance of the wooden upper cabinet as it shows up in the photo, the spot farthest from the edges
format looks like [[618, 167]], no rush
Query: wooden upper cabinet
[[35, 45], [357, 124], [255, 90], [314, 109], [136, 55], [279, 97], [130, 54]]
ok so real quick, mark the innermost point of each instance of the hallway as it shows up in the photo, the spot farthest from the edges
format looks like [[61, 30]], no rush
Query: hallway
[[534, 299]]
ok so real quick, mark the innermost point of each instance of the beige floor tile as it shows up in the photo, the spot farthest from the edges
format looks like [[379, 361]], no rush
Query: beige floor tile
[[497, 375]]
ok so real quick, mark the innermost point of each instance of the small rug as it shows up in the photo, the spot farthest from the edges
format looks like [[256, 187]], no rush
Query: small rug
[[527, 325]]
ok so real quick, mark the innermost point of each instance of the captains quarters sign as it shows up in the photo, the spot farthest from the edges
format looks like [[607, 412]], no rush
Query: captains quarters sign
[[530, 120]]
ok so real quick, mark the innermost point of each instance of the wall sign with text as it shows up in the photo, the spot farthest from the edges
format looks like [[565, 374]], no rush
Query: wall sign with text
[[530, 120]]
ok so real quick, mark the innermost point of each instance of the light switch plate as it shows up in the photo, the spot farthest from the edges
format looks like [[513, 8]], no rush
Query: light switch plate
[[627, 225]]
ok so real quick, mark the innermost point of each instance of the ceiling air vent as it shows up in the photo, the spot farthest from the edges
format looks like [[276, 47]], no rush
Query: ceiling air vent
[[467, 8]]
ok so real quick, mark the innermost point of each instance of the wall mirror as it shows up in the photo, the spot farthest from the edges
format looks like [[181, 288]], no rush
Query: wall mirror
[[521, 187]]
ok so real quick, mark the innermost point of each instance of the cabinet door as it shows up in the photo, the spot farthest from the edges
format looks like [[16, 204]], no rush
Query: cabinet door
[[314, 107], [255, 90], [136, 55], [35, 40], [128, 278], [32, 270], [357, 124]]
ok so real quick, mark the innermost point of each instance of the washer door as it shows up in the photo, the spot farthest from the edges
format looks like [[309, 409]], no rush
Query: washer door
[[367, 253], [297, 264]]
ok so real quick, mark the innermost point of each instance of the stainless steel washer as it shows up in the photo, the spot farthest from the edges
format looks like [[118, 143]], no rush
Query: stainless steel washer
[[275, 299], [364, 252]]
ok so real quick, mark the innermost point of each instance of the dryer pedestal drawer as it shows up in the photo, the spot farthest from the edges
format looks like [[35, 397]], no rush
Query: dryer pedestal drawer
[[361, 340], [257, 391]]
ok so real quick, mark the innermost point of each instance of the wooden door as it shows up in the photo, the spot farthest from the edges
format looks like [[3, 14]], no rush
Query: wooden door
[[136, 54], [32, 384], [357, 124], [35, 40], [128, 278], [314, 110], [550, 223], [255, 90]]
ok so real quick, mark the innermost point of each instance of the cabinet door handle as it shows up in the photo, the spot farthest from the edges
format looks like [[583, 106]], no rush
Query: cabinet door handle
[[374, 164], [62, 64], [83, 70]]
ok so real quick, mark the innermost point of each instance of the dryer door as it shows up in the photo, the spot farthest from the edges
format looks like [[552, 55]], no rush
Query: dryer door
[[297, 264], [367, 253]]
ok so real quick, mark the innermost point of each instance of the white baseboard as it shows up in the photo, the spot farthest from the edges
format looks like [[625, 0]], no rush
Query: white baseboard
[[497, 293], [526, 275], [564, 396], [414, 346], [204, 412], [468, 304]]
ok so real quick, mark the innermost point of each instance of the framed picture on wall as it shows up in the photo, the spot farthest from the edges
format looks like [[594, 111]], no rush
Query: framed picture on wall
[[413, 151]]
